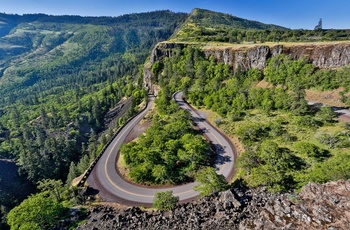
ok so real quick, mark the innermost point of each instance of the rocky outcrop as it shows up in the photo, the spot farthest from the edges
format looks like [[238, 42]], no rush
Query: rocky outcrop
[[316, 207], [322, 55], [330, 55], [165, 49], [162, 50]]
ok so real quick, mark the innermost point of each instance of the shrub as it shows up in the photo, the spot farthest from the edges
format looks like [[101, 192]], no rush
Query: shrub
[[165, 200]]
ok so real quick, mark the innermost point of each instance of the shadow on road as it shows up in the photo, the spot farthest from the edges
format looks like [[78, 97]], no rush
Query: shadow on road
[[220, 158], [197, 119]]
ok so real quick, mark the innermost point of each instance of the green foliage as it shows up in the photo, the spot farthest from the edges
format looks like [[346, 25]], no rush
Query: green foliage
[[165, 200], [335, 168], [310, 150], [334, 140], [208, 26], [36, 212], [73, 70], [51, 188], [326, 114], [170, 151], [275, 124], [210, 182], [73, 173], [270, 166], [281, 69], [251, 132], [165, 104]]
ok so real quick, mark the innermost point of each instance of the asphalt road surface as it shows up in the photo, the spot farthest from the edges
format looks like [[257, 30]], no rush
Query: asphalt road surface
[[112, 187]]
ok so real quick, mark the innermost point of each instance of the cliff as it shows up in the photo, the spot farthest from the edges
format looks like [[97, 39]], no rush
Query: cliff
[[316, 207], [322, 55]]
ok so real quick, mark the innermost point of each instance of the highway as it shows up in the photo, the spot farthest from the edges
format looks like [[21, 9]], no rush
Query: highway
[[112, 187]]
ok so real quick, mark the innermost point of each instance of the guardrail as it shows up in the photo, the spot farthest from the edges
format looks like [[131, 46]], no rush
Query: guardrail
[[87, 173]]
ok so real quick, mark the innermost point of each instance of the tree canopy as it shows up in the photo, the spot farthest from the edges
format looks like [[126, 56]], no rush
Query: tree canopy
[[210, 182], [171, 151], [35, 212], [165, 200]]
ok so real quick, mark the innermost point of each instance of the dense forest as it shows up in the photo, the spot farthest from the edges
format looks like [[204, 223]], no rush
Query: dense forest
[[60, 76], [287, 143]]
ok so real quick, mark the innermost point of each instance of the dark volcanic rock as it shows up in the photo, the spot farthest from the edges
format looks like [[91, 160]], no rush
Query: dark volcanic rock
[[316, 207]]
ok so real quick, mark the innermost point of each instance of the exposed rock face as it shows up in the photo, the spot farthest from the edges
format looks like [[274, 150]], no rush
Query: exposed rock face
[[316, 207], [161, 51], [327, 55], [164, 50], [323, 56]]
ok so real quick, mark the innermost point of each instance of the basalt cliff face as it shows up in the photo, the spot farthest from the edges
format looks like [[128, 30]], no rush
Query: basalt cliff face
[[327, 55], [322, 55], [315, 207]]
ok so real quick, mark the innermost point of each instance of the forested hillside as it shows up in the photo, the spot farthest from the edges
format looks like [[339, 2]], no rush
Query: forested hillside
[[287, 143], [60, 75]]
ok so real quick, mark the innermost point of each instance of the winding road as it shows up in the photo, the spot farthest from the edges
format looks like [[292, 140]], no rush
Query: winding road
[[111, 187]]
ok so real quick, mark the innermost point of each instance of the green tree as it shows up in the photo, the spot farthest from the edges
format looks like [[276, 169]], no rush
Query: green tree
[[335, 168], [73, 172], [165, 200], [35, 212], [51, 188], [298, 104], [272, 168], [276, 71], [310, 150], [326, 114], [210, 182]]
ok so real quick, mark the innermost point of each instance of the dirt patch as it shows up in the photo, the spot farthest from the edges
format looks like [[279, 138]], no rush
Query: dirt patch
[[331, 98], [344, 118], [138, 130]]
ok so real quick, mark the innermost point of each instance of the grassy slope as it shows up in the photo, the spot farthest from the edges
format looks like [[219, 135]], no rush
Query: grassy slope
[[213, 22]]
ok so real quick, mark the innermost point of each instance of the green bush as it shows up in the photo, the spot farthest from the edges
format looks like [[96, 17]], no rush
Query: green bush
[[210, 182], [165, 200], [335, 168], [311, 150], [36, 212]]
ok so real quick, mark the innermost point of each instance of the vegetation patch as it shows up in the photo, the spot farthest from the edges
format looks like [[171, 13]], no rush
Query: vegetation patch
[[171, 151], [287, 142]]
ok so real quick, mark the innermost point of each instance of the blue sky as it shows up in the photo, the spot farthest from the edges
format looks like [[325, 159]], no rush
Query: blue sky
[[289, 13]]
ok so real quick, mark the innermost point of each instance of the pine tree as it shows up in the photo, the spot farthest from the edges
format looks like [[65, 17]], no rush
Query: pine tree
[[73, 173]]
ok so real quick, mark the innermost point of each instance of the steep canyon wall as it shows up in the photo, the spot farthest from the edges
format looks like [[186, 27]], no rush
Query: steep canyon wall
[[322, 55]]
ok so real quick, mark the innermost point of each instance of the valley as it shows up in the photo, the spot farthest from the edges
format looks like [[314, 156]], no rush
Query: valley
[[69, 85]]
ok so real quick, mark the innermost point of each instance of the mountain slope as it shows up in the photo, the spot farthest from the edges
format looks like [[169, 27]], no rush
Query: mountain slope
[[39, 45], [215, 19], [60, 75], [209, 25]]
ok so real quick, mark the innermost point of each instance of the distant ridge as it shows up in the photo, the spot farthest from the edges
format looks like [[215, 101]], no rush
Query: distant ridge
[[204, 17], [205, 25]]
